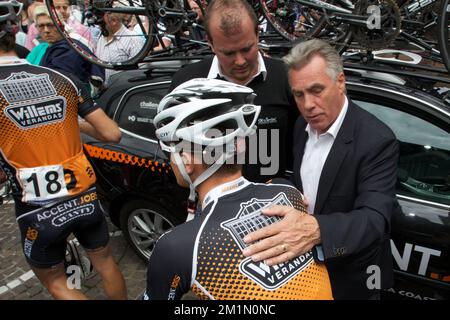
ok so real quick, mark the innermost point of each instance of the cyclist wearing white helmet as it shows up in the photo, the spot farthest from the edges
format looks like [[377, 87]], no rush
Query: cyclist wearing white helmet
[[203, 123]]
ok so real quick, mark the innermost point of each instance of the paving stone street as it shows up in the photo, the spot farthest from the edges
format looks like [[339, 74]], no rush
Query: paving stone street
[[18, 282]]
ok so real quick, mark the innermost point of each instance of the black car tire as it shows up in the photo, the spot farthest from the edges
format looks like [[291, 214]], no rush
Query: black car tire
[[142, 223]]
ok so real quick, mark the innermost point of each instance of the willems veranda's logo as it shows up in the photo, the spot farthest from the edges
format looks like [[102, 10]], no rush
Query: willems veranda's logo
[[250, 218], [32, 100]]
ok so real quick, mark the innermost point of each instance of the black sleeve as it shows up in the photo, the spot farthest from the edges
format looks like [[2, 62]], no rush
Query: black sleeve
[[282, 181], [169, 269], [86, 105], [21, 51]]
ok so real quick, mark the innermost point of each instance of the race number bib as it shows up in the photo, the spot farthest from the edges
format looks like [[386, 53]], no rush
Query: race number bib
[[42, 183]]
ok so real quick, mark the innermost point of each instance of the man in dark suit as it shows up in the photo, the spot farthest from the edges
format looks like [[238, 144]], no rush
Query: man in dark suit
[[232, 29], [345, 163]]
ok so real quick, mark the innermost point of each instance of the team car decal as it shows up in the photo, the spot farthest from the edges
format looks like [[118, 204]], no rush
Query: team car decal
[[116, 156]]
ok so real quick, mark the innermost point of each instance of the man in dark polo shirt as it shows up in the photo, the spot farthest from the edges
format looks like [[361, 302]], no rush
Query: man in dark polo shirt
[[232, 29]]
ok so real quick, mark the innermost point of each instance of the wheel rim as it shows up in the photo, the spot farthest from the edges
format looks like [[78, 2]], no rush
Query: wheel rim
[[96, 9], [145, 226]]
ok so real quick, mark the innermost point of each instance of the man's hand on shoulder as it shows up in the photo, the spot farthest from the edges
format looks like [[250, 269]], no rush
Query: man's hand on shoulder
[[295, 234]]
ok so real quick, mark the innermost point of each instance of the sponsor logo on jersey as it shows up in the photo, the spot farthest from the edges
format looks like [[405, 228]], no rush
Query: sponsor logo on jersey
[[267, 120], [250, 218], [30, 238], [37, 114], [32, 234], [173, 287], [27, 247], [275, 276]]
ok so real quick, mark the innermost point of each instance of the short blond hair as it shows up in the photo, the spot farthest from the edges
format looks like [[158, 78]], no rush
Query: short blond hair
[[40, 11]]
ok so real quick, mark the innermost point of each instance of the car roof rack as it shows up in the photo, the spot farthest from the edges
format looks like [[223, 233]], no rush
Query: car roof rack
[[399, 59], [379, 67], [435, 81]]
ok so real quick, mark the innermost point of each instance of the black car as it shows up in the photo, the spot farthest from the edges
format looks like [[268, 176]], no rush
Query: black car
[[140, 193], [134, 180]]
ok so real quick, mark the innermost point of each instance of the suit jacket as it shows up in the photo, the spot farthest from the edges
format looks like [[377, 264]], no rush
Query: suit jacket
[[278, 112], [355, 201]]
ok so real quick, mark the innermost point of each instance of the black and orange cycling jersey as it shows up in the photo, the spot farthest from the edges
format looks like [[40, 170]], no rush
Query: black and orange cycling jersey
[[40, 147], [205, 254]]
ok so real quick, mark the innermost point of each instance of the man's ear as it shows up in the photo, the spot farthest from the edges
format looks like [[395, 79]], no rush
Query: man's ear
[[341, 82], [210, 43]]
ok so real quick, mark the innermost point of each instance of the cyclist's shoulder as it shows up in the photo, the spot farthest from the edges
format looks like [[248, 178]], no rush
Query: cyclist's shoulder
[[275, 183], [258, 191], [181, 236], [41, 76]]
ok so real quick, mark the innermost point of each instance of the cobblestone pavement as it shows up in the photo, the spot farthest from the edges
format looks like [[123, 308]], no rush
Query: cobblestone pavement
[[18, 282]]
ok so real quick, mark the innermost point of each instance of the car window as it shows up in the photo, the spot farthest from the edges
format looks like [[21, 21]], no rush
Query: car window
[[424, 164], [137, 109]]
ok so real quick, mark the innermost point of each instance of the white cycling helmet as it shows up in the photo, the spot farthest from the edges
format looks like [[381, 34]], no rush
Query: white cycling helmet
[[195, 109]]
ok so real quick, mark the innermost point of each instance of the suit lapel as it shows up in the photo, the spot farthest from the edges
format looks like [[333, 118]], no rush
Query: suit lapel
[[337, 154]]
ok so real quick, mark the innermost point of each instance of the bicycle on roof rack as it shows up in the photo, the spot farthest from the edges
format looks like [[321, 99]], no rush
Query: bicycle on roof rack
[[150, 19], [418, 26]]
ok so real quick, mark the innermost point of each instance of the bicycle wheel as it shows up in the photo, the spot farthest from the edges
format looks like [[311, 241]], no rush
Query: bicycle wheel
[[83, 24], [297, 22], [419, 33], [444, 33]]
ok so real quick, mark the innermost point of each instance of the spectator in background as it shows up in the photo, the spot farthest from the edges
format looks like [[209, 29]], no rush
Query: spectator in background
[[198, 31], [117, 42], [196, 8], [33, 38], [195, 31], [72, 25], [36, 54], [24, 21], [61, 56], [75, 29]]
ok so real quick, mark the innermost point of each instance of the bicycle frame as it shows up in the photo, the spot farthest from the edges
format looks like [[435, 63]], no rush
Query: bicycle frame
[[418, 5], [339, 14]]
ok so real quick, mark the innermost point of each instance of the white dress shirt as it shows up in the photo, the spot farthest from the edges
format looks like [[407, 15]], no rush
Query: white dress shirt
[[317, 148], [124, 45], [215, 70]]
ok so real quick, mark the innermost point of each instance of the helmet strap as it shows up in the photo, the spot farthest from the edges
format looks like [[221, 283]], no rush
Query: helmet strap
[[192, 205], [201, 178]]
